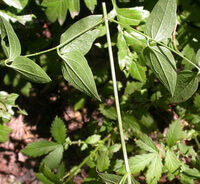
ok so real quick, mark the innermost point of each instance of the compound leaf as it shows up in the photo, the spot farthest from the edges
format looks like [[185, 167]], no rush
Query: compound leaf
[[155, 170], [172, 162], [58, 130], [53, 159], [81, 42], [162, 20], [187, 85], [29, 70], [43, 178], [162, 63], [76, 71], [174, 133], [56, 9], [147, 144], [9, 40], [4, 133], [139, 162], [91, 4], [39, 148], [74, 7]]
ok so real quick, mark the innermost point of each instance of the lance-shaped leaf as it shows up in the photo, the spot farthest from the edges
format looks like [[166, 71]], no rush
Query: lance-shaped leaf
[[162, 63], [187, 85], [9, 40], [91, 4], [80, 39], [56, 9], [74, 7], [29, 70], [162, 20], [77, 72]]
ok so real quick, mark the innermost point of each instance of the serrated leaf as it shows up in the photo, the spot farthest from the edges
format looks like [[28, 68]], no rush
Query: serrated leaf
[[58, 130], [56, 9], [93, 139], [9, 40], [91, 4], [83, 42], [14, 3], [29, 70], [4, 133], [172, 162], [61, 170], [74, 7], [114, 148], [39, 148], [162, 63], [108, 112], [76, 71], [43, 179], [50, 175], [155, 170], [187, 85], [162, 20], [174, 133], [114, 179], [102, 157], [53, 159], [147, 144]]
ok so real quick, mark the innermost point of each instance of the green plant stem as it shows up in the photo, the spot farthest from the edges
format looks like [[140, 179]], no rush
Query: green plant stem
[[116, 94], [75, 171], [67, 42], [197, 142], [149, 38]]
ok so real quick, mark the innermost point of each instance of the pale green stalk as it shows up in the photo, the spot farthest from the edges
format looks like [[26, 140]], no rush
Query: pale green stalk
[[116, 93], [160, 43]]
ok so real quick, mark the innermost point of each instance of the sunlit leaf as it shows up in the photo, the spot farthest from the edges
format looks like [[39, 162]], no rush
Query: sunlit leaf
[[162, 20]]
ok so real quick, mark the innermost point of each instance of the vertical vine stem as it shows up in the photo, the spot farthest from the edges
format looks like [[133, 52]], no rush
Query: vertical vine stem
[[116, 94]]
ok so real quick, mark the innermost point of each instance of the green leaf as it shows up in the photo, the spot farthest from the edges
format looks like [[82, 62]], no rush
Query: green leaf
[[172, 162], [174, 133], [56, 9], [147, 144], [74, 7], [91, 4], [4, 133], [162, 63], [29, 70], [53, 159], [187, 85], [139, 162], [9, 40], [137, 71], [61, 170], [131, 123], [108, 112], [198, 57], [114, 179], [83, 42], [102, 157], [43, 179], [132, 16], [197, 101], [114, 148], [39, 148], [155, 170], [14, 3], [93, 139], [50, 175], [76, 71], [58, 130], [162, 20]]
